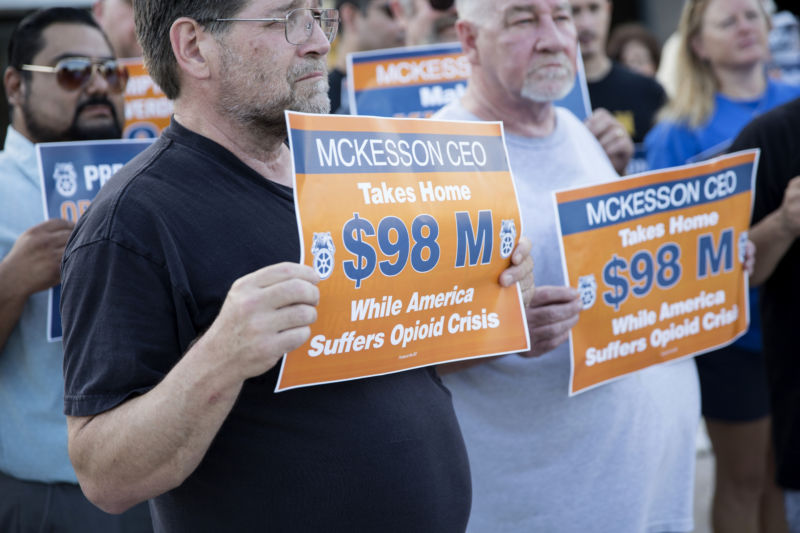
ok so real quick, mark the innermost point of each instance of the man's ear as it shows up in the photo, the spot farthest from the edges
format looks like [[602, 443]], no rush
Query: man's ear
[[13, 84], [192, 47], [468, 35]]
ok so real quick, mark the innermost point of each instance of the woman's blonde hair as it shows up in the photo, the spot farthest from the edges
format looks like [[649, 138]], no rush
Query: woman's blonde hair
[[695, 83]]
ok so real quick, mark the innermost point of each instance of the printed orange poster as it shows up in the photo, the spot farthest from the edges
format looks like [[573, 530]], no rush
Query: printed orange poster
[[408, 223], [658, 261], [147, 109]]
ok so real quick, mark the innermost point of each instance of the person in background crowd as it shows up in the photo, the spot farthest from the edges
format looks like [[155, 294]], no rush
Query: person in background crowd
[[632, 45], [784, 45], [170, 374], [619, 457], [423, 23], [115, 17], [433, 21], [364, 25], [776, 228], [723, 85], [632, 98], [62, 84]]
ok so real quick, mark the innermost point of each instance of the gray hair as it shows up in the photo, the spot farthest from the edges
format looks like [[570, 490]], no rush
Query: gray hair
[[154, 18]]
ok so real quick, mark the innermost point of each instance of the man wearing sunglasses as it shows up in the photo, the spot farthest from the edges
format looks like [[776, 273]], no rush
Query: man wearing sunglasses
[[62, 85], [182, 292]]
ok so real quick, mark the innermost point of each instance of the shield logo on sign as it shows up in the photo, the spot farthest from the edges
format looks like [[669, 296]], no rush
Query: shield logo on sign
[[508, 234], [323, 251], [742, 246], [587, 288], [66, 179]]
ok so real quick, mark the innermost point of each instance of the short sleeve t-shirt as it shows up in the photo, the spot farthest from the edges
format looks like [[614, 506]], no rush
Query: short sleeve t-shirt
[[777, 134], [146, 272], [632, 98], [619, 457]]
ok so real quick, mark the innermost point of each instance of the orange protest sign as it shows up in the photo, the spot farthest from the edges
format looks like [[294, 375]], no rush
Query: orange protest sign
[[657, 259], [409, 224], [147, 109]]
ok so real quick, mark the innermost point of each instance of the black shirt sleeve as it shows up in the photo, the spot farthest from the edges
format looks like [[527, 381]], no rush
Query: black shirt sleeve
[[138, 327]]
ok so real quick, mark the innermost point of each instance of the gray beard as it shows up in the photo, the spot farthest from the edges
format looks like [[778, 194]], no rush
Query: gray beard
[[266, 117]]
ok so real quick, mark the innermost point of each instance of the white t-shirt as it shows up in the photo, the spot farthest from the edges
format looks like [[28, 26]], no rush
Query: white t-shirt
[[618, 458]]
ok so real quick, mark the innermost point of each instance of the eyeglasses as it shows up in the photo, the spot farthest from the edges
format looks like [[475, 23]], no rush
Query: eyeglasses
[[299, 23], [73, 73]]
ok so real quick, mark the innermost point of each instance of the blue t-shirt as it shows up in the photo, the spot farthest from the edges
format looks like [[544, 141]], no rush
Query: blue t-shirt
[[33, 429], [672, 144]]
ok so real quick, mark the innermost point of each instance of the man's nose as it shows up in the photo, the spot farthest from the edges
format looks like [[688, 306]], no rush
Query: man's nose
[[550, 37], [97, 83], [318, 43]]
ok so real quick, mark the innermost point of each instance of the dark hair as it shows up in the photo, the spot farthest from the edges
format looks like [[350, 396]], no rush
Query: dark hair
[[632, 31], [154, 18], [26, 40]]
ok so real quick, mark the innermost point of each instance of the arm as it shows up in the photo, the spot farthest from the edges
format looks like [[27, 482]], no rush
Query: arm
[[612, 136], [152, 443], [32, 265], [775, 233]]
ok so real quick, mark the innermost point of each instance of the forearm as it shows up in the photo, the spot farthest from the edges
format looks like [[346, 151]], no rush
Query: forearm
[[152, 443], [12, 301], [772, 241]]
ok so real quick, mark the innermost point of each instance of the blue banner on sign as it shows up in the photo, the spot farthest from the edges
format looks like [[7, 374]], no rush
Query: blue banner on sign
[[605, 210], [71, 174], [335, 152]]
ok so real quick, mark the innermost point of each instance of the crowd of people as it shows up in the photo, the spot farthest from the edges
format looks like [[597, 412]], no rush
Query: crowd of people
[[180, 288]]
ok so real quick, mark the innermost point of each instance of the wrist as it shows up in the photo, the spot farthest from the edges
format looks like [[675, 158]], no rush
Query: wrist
[[785, 226]]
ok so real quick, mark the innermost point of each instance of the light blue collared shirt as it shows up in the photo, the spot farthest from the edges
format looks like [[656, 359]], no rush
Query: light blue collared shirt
[[33, 429]]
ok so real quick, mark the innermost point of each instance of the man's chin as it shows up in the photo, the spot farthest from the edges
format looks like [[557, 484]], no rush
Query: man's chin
[[96, 131], [550, 91], [319, 103]]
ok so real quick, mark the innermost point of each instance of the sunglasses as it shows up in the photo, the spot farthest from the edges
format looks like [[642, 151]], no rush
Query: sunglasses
[[73, 73]]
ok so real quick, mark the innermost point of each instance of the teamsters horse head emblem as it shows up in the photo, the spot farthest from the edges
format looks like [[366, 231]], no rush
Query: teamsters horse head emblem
[[587, 288], [323, 250], [508, 234], [66, 179], [742, 246]]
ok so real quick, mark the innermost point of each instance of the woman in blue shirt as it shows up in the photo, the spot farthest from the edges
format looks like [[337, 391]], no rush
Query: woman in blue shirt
[[721, 85]]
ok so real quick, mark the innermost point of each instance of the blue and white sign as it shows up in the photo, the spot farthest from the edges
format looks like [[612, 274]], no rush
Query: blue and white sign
[[71, 174]]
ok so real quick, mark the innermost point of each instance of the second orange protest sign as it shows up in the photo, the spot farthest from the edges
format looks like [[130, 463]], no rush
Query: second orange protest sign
[[658, 260]]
